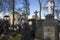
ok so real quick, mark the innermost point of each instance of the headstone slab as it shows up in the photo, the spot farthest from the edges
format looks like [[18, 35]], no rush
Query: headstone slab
[[49, 28]]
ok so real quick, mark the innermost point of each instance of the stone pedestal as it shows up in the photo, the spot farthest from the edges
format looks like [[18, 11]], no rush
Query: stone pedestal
[[32, 24], [50, 31], [36, 29]]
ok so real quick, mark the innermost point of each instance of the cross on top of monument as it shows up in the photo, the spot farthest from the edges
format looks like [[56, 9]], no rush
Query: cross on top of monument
[[49, 6], [36, 12]]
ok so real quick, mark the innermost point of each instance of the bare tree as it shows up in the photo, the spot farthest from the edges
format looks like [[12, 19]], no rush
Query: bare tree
[[53, 6], [26, 8], [40, 7]]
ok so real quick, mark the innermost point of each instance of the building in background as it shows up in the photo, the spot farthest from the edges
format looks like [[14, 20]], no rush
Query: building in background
[[16, 18]]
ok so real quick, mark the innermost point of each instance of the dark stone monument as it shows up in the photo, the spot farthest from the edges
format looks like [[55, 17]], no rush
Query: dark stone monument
[[6, 24], [25, 32], [50, 28], [6, 27], [32, 25], [59, 28], [37, 30], [40, 29]]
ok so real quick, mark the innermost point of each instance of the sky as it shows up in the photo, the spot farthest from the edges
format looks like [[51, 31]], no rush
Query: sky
[[34, 5]]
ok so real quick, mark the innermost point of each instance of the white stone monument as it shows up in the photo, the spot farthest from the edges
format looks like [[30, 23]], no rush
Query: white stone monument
[[49, 6], [50, 27]]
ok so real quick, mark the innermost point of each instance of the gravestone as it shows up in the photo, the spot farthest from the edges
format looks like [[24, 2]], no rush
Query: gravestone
[[36, 29], [39, 29], [6, 27], [59, 28], [25, 32], [50, 28], [32, 25]]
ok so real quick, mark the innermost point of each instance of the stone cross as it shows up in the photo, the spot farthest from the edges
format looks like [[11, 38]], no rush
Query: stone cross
[[36, 17], [49, 6], [36, 14]]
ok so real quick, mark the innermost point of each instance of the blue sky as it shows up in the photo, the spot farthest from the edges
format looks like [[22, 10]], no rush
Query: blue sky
[[34, 5]]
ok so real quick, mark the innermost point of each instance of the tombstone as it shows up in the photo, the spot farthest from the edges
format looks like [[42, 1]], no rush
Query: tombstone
[[6, 27], [59, 28], [37, 30], [37, 27], [50, 28], [40, 29], [6, 24], [0, 28], [32, 25], [25, 32]]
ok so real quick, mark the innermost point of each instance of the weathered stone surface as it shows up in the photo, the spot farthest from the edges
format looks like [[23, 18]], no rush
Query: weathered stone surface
[[25, 32], [37, 29], [50, 28]]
